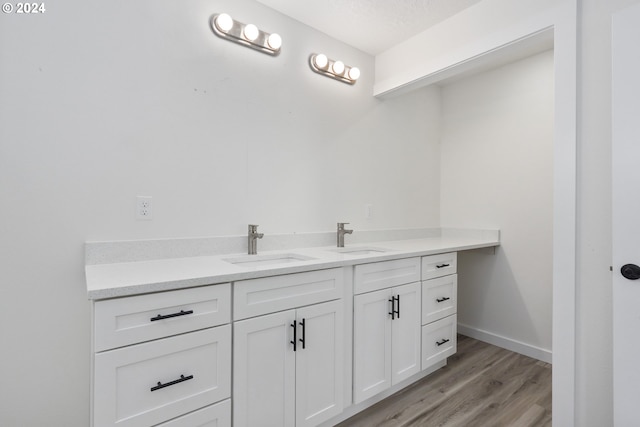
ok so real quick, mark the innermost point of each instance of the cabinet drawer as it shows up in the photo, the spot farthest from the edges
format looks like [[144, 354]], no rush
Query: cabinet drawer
[[131, 320], [439, 298], [218, 415], [439, 265], [386, 274], [438, 340], [255, 297], [146, 384]]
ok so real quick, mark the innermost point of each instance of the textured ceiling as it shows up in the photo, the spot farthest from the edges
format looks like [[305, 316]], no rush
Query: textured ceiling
[[372, 26]]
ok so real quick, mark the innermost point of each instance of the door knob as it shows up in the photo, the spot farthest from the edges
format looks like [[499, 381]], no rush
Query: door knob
[[630, 271]]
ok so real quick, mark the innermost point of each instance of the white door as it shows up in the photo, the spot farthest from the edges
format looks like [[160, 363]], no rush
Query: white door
[[319, 363], [406, 333], [372, 344], [264, 371], [626, 215]]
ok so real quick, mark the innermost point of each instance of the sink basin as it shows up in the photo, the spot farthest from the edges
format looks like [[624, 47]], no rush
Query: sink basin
[[361, 251], [266, 260]]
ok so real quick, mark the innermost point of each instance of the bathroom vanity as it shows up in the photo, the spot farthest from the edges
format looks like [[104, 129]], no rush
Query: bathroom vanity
[[302, 337]]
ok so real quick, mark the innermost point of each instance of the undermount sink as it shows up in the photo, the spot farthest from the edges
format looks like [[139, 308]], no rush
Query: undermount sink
[[266, 260], [361, 251]]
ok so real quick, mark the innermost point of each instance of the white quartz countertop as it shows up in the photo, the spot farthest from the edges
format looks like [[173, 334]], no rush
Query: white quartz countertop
[[139, 277]]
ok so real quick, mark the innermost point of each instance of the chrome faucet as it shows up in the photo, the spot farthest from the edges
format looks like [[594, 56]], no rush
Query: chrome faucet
[[253, 239], [341, 232]]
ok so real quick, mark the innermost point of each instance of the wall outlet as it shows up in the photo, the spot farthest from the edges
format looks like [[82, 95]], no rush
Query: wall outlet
[[144, 207], [368, 211]]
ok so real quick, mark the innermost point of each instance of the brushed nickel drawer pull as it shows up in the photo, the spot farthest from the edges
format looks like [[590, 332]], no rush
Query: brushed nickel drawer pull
[[442, 299], [168, 316], [444, 341], [179, 380]]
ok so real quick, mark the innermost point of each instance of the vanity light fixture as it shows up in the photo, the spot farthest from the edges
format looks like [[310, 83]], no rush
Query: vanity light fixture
[[334, 69], [245, 34]]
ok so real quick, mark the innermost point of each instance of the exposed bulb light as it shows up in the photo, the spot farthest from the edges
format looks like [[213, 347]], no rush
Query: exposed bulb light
[[338, 67], [247, 35], [321, 61], [354, 73], [334, 69], [274, 41], [250, 32], [224, 22]]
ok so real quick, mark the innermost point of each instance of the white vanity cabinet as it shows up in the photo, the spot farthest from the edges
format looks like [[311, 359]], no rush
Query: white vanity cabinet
[[439, 307], [160, 357], [387, 321], [288, 349]]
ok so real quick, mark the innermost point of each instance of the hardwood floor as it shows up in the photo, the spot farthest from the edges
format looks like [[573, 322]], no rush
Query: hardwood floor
[[482, 385]]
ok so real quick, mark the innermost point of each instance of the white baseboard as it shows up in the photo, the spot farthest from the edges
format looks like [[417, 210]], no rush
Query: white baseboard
[[507, 343]]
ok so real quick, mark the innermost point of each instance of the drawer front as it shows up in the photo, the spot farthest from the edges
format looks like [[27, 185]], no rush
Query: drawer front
[[153, 382], [131, 320], [270, 294], [218, 415], [438, 340], [439, 298], [386, 274], [439, 265]]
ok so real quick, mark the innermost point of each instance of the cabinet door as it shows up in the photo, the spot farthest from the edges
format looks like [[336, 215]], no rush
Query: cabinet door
[[264, 371], [319, 363], [406, 333], [372, 344]]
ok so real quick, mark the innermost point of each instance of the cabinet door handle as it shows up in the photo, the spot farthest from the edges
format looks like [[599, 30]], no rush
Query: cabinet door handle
[[169, 316], [170, 383], [444, 341], [442, 265], [294, 326], [395, 309], [302, 340], [442, 299]]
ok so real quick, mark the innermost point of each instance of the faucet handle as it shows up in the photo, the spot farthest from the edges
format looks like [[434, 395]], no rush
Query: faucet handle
[[341, 225], [253, 227]]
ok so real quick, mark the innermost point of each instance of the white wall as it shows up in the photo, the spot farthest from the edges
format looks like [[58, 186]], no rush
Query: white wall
[[497, 172], [102, 101], [468, 35]]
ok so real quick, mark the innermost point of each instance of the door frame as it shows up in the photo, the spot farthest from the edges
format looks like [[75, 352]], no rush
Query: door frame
[[558, 19], [564, 217]]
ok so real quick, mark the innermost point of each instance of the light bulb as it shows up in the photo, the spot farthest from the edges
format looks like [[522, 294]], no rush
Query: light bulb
[[274, 41], [321, 61], [338, 67], [224, 22], [250, 32], [354, 73]]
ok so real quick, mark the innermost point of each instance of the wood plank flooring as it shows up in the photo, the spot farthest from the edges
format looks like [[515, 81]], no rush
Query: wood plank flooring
[[481, 386]]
